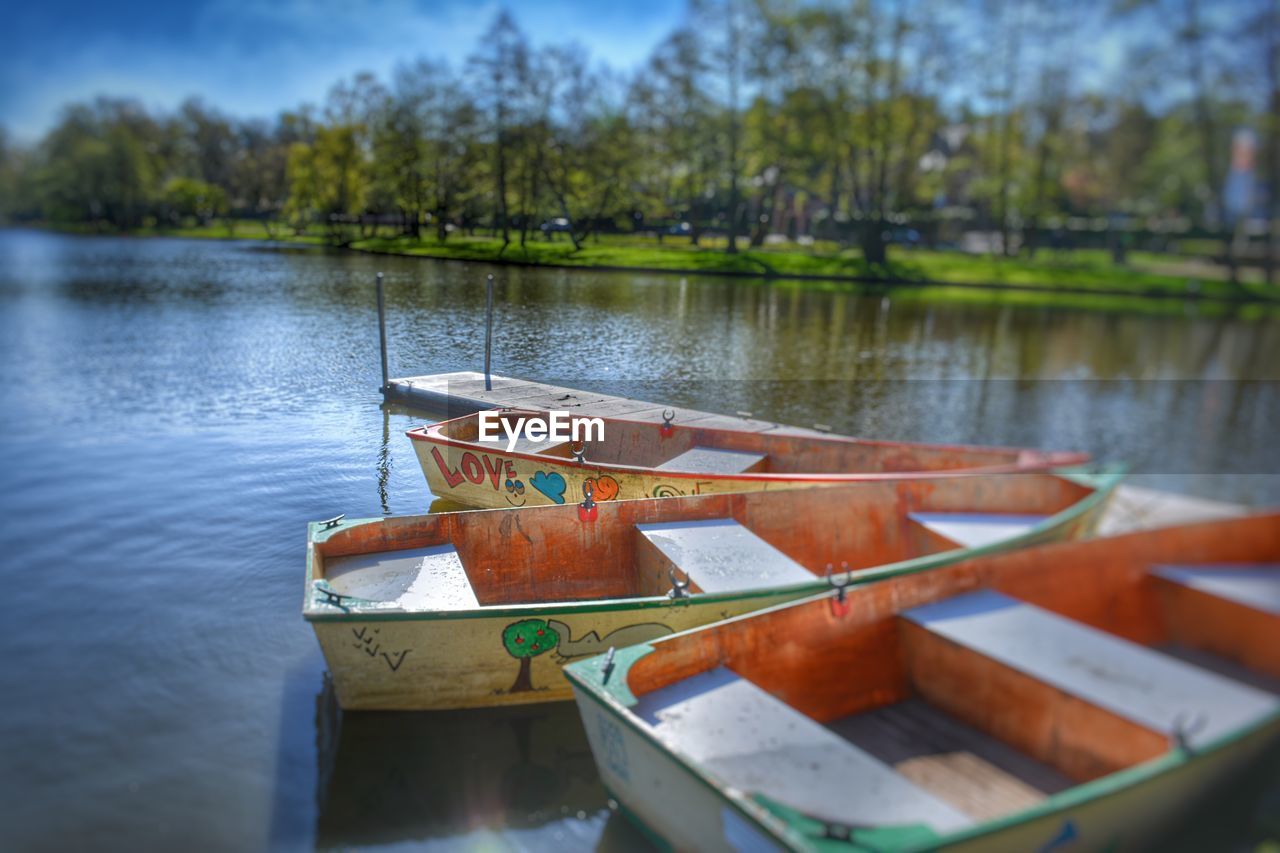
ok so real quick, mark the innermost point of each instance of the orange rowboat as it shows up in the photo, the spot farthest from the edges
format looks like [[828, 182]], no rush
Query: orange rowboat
[[1076, 696], [475, 608], [626, 459]]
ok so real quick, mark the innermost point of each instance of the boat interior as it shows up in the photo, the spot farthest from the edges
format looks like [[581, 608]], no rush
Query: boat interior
[[730, 543], [954, 696], [707, 449]]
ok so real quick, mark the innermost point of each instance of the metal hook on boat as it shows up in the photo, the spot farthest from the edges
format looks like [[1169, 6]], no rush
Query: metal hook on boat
[[607, 669], [587, 510], [679, 589], [330, 523], [837, 831], [839, 606], [332, 596], [668, 415], [837, 586], [1184, 727]]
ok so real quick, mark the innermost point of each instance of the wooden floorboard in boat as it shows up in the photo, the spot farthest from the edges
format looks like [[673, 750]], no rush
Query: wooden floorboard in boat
[[981, 776]]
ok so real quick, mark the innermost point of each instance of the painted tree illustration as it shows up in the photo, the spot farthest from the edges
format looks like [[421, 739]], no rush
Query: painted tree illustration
[[525, 640]]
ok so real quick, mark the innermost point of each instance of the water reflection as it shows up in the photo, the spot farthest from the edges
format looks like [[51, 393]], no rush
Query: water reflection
[[521, 775], [172, 410], [384, 463]]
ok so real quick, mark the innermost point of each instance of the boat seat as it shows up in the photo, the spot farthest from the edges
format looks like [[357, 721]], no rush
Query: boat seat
[[975, 529], [414, 579], [717, 555], [759, 744], [1256, 587], [714, 460], [525, 445], [1154, 690], [1231, 611]]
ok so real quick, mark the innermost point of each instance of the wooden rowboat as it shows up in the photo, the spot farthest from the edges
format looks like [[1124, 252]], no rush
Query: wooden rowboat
[[637, 459], [1077, 695], [477, 608]]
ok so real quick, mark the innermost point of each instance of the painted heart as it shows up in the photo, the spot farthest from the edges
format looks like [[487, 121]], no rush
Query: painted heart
[[603, 488], [551, 485]]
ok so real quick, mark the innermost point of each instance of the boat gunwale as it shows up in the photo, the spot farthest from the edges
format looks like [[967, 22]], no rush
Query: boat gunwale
[[1102, 481], [1040, 460]]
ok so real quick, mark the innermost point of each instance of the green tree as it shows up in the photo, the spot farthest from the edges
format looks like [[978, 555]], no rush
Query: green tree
[[499, 65], [259, 178], [99, 164], [672, 96], [525, 640], [189, 197]]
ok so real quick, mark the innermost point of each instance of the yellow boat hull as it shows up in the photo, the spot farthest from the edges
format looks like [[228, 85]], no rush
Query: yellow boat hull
[[429, 663]]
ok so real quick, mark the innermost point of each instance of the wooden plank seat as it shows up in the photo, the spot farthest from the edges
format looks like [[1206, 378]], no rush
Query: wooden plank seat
[[1156, 691], [1231, 611], [975, 529], [713, 460], [525, 445], [758, 744], [415, 579], [1255, 587], [716, 555]]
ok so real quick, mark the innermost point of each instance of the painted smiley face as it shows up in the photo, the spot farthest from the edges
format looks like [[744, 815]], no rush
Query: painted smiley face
[[515, 492]]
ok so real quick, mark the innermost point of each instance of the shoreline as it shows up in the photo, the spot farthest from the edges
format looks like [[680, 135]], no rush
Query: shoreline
[[1103, 297], [886, 283]]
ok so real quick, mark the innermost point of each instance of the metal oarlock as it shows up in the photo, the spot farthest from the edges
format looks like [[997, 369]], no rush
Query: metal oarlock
[[587, 510], [679, 588], [839, 606], [579, 452], [668, 415], [1184, 728], [839, 587]]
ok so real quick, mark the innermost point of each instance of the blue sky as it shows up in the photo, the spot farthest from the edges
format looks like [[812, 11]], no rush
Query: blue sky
[[255, 58]]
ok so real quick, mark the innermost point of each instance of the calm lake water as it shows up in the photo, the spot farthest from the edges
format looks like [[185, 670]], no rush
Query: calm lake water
[[172, 413]]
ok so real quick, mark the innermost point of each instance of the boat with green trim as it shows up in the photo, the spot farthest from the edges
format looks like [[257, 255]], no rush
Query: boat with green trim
[[482, 607], [1074, 695]]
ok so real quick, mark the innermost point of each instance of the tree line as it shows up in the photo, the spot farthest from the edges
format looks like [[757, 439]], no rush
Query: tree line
[[847, 120]]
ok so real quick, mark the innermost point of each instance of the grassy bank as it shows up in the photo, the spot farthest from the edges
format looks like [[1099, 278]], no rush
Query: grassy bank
[[1083, 278]]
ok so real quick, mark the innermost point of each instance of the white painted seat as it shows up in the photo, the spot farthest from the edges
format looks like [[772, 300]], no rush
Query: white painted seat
[[758, 744], [975, 529], [1257, 587], [415, 579], [713, 460], [720, 555], [1149, 688]]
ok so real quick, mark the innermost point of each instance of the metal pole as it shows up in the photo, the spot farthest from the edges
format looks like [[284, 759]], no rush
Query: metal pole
[[382, 333], [488, 331]]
